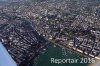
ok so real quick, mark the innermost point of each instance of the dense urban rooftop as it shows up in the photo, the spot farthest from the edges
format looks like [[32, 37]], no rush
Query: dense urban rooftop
[[71, 23]]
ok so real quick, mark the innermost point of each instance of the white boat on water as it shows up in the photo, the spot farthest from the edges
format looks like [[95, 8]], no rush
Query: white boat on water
[[5, 58]]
